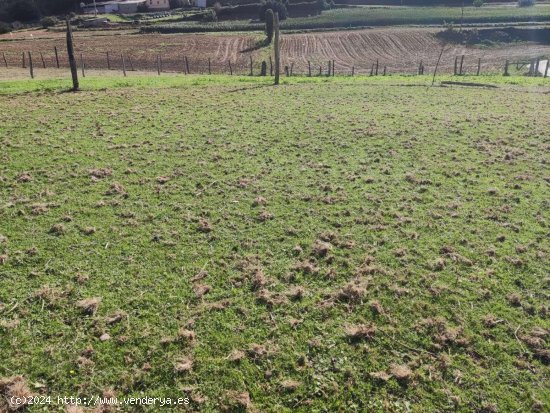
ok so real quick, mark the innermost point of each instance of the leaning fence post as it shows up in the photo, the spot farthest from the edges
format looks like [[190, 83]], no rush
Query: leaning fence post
[[478, 66], [82, 66], [30, 65], [545, 70], [43, 61], [4, 57], [123, 64], [461, 64], [24, 64], [56, 56], [70, 52], [506, 69]]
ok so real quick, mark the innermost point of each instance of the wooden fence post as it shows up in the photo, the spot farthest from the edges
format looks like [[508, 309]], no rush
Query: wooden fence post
[[320, 70], [270, 66], [506, 69], [333, 68], [309, 68], [187, 65], [384, 71], [545, 70], [70, 52], [24, 64], [328, 71], [108, 62], [30, 65], [130, 63], [209, 69], [56, 56], [263, 70], [5, 60], [461, 64], [372, 69], [478, 66], [277, 49], [456, 65], [537, 67], [376, 71], [43, 61], [286, 71], [161, 63], [420, 68], [291, 68], [158, 64], [230, 69], [123, 64], [352, 71], [251, 73], [82, 66]]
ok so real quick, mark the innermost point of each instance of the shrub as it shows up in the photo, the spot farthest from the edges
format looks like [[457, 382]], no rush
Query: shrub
[[478, 3], [48, 21], [142, 8], [277, 6], [5, 27], [269, 25], [209, 16], [526, 3]]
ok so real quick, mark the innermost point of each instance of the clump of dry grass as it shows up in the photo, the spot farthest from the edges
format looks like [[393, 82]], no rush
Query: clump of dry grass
[[401, 372], [307, 267], [24, 177], [359, 332], [116, 189], [259, 201], [353, 291], [201, 290], [184, 365], [13, 387], [186, 336], [321, 248], [236, 356], [98, 173], [290, 385], [89, 306], [57, 229], [204, 226]]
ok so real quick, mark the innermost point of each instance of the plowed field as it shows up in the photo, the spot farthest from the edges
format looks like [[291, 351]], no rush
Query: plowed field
[[400, 50]]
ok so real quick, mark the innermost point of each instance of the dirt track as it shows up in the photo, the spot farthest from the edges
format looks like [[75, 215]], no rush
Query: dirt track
[[399, 49]]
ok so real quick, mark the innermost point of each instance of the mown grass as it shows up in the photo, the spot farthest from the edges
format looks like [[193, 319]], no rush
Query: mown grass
[[375, 16], [365, 244]]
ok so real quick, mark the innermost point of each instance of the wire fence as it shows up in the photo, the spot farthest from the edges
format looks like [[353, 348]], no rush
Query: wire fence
[[145, 61]]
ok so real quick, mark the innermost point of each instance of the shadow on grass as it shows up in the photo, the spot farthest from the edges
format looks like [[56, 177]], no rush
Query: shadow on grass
[[258, 45]]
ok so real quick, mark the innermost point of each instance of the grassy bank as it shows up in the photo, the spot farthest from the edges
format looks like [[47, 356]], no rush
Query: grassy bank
[[328, 245]]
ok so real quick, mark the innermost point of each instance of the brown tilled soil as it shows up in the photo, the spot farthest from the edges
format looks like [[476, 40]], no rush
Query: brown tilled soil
[[400, 50]]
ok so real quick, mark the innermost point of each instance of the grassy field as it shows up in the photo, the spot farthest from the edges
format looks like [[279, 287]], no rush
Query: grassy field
[[328, 245], [375, 16]]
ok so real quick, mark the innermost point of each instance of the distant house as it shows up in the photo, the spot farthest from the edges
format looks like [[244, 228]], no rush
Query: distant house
[[157, 5], [124, 6]]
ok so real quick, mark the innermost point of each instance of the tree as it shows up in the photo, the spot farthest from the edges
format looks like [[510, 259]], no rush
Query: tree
[[277, 6], [269, 25], [23, 10]]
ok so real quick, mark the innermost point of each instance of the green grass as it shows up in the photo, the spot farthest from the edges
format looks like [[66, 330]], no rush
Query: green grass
[[433, 201], [375, 16]]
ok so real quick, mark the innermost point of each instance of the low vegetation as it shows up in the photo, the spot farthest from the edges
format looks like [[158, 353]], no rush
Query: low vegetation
[[374, 16], [332, 244]]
